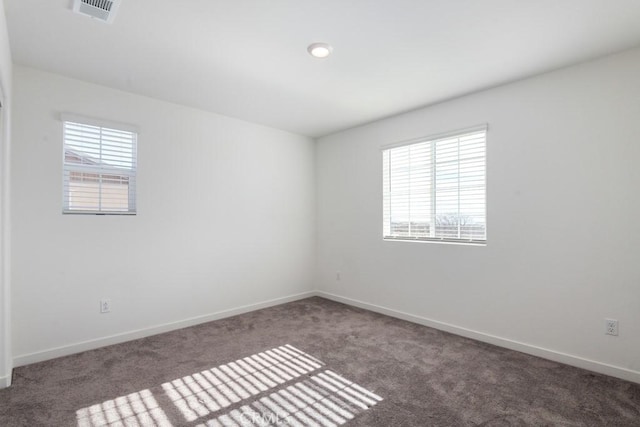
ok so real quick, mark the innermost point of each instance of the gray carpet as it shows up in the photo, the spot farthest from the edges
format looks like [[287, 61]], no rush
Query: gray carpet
[[312, 362]]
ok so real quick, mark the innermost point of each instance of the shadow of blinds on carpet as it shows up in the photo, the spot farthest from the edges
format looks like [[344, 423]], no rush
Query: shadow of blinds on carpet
[[288, 387]]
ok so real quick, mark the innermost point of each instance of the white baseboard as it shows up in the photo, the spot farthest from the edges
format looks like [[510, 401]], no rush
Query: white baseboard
[[5, 381], [26, 359], [568, 359], [556, 356]]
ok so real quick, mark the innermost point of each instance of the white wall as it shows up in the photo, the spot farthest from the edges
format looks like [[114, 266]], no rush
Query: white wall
[[5, 307], [563, 219], [226, 219]]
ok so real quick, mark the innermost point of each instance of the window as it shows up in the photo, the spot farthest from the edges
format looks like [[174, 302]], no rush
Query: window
[[435, 188], [99, 168]]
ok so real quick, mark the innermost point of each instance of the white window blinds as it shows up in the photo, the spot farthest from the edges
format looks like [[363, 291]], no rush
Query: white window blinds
[[99, 169], [435, 189]]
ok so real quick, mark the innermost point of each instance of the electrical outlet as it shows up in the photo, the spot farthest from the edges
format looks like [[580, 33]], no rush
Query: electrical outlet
[[105, 306], [611, 326]]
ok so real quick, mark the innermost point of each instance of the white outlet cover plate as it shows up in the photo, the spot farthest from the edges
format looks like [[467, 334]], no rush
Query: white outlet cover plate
[[611, 327]]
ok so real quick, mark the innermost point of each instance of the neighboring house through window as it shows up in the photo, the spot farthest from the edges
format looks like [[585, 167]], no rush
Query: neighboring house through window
[[99, 167]]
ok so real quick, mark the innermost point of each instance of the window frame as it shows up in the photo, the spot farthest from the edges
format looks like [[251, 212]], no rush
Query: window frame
[[67, 168], [433, 139]]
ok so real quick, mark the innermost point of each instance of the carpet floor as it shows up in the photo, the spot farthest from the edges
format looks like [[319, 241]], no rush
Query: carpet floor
[[312, 362]]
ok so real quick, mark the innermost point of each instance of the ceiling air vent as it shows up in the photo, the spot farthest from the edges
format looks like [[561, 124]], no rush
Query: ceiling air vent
[[102, 10]]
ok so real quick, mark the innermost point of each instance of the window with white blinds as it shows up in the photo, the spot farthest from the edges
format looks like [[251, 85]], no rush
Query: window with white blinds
[[99, 169], [435, 189]]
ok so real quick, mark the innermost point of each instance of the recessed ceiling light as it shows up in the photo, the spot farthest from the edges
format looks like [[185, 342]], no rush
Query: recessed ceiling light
[[319, 50]]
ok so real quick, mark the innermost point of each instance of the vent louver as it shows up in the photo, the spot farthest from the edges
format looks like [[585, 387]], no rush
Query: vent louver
[[102, 10]]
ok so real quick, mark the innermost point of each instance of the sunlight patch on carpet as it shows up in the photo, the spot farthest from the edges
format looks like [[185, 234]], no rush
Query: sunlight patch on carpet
[[135, 409], [201, 394], [323, 400], [283, 386]]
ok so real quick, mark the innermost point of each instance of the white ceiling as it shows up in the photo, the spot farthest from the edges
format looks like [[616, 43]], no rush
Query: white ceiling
[[248, 59]]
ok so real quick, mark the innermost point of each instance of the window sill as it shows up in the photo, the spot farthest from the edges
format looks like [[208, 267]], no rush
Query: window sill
[[438, 241], [99, 213]]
